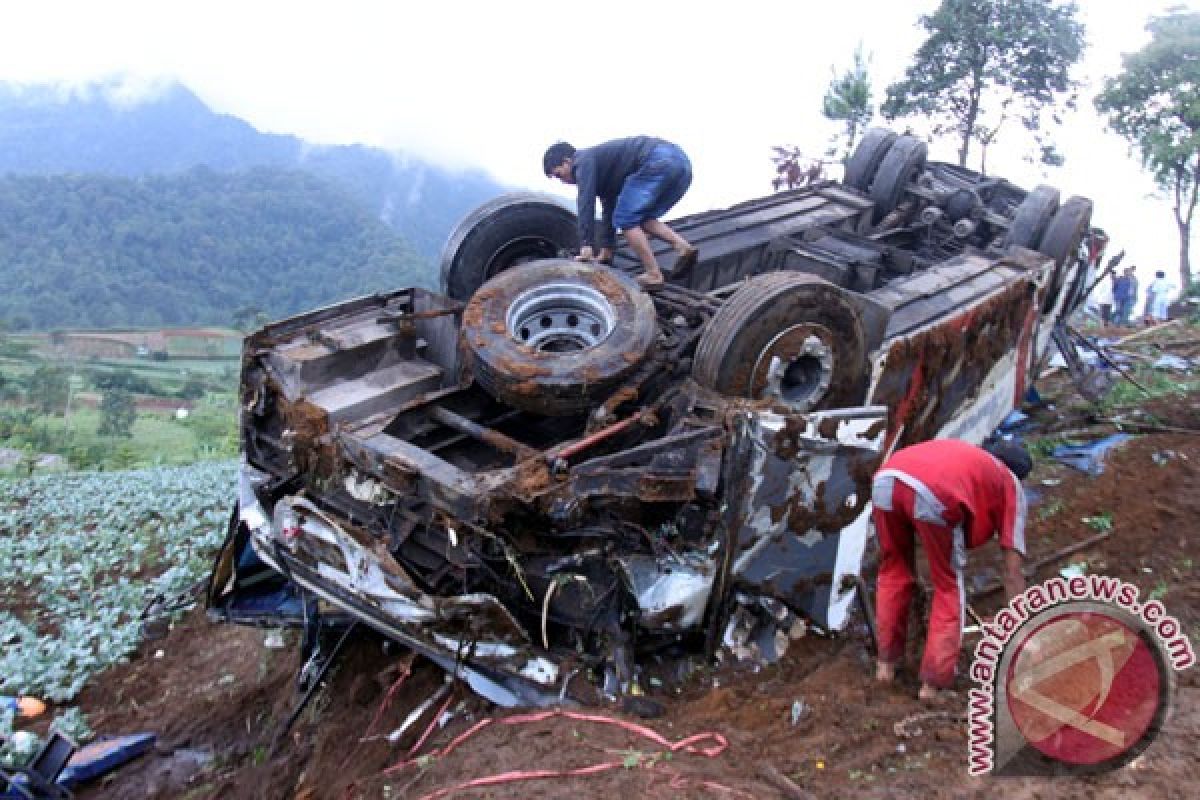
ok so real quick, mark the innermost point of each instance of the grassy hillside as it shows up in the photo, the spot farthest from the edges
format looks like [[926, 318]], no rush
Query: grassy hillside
[[97, 251]]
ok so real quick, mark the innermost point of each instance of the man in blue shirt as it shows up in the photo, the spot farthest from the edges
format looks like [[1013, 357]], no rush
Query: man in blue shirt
[[1125, 291], [637, 180]]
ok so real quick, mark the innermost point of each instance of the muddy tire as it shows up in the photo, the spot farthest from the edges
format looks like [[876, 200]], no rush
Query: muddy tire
[[558, 337], [1032, 217], [509, 230], [786, 336], [1061, 242], [899, 167], [863, 163]]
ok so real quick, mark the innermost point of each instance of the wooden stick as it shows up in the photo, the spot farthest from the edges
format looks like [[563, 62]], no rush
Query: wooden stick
[[784, 784], [1148, 331], [1032, 569]]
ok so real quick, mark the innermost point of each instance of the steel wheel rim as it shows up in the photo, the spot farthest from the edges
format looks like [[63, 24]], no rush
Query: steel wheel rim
[[560, 318]]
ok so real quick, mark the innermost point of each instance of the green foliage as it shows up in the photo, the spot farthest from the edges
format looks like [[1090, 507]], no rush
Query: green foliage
[[97, 251], [988, 61], [1157, 383], [81, 554], [192, 388], [124, 379], [1155, 103], [117, 414], [848, 98], [1050, 509], [215, 431], [48, 388], [1101, 523]]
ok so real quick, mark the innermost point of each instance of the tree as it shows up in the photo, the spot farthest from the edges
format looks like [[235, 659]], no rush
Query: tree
[[48, 389], [986, 61], [117, 414], [793, 169], [1155, 103], [248, 318], [848, 99]]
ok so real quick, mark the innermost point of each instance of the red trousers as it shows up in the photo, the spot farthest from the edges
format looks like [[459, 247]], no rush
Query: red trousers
[[897, 581]]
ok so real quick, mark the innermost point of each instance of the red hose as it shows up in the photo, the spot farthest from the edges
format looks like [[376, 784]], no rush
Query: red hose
[[691, 744]]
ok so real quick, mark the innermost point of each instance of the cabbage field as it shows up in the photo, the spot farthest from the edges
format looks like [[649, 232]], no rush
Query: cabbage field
[[81, 556]]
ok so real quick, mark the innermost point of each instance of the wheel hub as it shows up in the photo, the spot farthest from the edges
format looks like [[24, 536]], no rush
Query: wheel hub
[[560, 318], [796, 367]]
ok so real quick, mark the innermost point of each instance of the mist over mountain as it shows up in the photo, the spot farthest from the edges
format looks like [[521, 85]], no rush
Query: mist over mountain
[[102, 128], [187, 248], [126, 208]]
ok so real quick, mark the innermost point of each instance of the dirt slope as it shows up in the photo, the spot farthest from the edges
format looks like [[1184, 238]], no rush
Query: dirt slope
[[216, 695]]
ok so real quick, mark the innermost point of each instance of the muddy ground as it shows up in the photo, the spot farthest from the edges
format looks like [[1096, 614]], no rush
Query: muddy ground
[[216, 695]]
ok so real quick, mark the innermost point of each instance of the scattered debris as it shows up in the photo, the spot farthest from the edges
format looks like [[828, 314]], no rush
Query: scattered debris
[[1089, 457], [28, 707], [801, 711], [1173, 362], [910, 726], [101, 757], [418, 712]]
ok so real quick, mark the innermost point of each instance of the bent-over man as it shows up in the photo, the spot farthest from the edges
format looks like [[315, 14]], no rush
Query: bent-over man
[[953, 496]]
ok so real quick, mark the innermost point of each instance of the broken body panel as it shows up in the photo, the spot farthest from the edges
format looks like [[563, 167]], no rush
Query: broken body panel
[[543, 558]]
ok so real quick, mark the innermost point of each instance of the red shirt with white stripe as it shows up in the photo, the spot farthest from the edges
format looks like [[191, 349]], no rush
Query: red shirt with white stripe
[[977, 491]]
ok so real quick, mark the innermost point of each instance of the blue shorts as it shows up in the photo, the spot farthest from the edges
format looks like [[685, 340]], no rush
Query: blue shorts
[[655, 188]]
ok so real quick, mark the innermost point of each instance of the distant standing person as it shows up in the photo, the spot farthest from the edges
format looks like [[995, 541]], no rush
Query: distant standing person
[[637, 180], [1124, 293], [952, 496], [1158, 298], [1102, 298]]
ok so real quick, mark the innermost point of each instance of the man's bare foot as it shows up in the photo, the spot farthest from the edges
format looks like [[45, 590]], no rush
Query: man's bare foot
[[651, 278], [687, 258], [884, 672], [933, 695]]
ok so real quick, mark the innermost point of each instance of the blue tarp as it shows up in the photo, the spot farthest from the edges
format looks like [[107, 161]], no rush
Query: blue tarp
[[97, 758], [1089, 457]]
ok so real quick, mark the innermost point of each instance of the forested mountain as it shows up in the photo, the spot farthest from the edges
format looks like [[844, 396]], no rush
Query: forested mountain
[[47, 130], [189, 248]]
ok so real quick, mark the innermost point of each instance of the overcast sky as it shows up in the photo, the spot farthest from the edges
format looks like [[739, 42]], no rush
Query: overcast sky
[[491, 84]]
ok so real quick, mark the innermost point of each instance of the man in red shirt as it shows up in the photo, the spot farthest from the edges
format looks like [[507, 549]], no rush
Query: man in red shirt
[[953, 496]]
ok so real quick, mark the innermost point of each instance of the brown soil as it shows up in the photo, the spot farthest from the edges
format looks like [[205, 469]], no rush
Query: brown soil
[[216, 696]]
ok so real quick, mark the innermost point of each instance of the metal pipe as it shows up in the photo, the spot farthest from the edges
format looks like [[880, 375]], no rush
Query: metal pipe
[[604, 433], [487, 435]]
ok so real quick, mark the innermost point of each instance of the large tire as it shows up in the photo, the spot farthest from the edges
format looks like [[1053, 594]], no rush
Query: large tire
[[558, 337], [1061, 242], [904, 160], [1032, 217], [789, 337], [863, 163], [509, 230]]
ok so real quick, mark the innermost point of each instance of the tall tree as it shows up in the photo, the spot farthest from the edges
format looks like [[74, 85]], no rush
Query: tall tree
[[848, 98], [118, 412], [986, 62], [48, 389], [1155, 103]]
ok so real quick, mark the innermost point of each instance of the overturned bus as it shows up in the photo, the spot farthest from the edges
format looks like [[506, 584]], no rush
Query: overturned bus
[[547, 479]]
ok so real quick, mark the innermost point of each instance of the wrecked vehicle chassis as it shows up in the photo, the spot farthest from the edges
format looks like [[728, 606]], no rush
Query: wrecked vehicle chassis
[[567, 484]]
